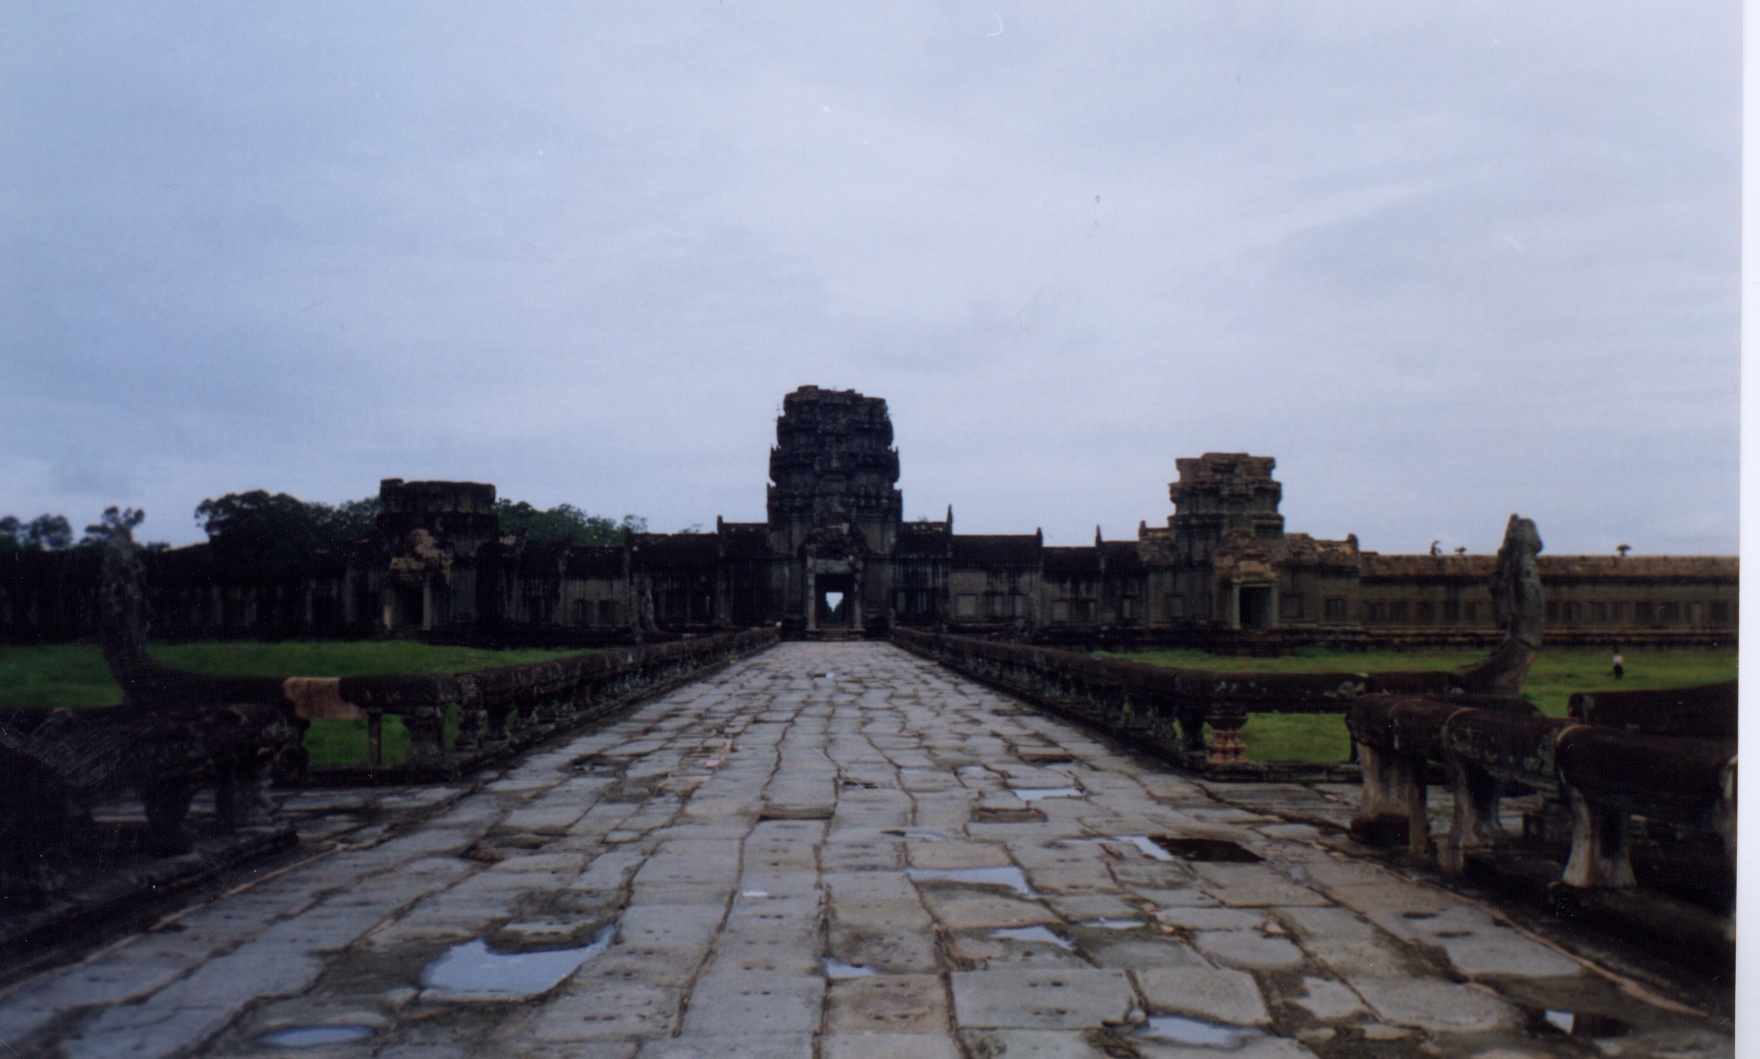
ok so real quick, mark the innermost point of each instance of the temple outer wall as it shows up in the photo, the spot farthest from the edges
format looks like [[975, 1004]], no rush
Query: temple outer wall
[[1400, 601]]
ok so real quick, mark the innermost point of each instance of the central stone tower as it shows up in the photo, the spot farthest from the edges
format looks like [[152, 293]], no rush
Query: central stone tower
[[833, 505]]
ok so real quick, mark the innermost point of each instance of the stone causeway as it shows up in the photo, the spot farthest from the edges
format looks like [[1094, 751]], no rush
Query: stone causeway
[[843, 851]]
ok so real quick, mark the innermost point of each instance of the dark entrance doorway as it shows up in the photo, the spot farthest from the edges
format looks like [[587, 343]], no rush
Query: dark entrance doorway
[[1255, 608], [834, 605], [411, 607]]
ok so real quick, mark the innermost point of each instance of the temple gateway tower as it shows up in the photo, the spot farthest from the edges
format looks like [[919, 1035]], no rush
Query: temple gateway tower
[[834, 557], [834, 510]]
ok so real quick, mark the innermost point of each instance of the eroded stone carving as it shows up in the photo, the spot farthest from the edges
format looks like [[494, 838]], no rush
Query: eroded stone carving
[[163, 744], [1520, 609]]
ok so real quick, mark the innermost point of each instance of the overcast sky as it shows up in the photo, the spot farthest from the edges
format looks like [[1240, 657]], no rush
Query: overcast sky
[[1444, 261]]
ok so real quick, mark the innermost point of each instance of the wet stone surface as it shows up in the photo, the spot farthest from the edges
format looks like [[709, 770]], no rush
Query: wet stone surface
[[835, 851]]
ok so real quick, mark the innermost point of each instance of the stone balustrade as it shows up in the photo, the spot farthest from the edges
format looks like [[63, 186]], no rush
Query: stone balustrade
[[1165, 708], [500, 709], [1667, 757], [185, 731]]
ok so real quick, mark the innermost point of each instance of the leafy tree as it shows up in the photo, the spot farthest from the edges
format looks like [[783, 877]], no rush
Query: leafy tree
[[350, 519], [262, 527], [45, 532], [114, 521], [565, 522]]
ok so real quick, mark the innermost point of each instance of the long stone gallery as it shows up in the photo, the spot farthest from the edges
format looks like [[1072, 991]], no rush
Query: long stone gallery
[[835, 556], [842, 785]]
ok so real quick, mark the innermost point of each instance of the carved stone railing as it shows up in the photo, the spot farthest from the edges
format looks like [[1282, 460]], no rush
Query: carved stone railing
[[186, 731], [58, 765], [499, 710], [1166, 709], [1668, 757]]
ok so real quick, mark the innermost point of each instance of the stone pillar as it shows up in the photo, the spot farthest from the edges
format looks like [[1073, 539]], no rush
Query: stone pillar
[[812, 599], [854, 602]]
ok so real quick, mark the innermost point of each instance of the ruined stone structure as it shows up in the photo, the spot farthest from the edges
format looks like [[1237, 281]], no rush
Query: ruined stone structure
[[835, 557]]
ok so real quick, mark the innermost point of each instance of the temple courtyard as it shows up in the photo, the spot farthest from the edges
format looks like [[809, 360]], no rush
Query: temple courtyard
[[841, 850]]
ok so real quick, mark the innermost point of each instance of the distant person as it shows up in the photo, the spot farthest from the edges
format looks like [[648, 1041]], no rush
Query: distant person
[[1435, 547], [1619, 664]]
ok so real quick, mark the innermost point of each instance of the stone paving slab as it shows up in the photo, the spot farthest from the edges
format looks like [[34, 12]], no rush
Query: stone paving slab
[[834, 851]]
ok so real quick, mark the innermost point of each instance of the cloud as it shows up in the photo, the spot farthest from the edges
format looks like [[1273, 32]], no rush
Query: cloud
[[1440, 262]]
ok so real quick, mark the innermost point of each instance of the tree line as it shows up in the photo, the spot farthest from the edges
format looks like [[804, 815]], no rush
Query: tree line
[[259, 526], [54, 533]]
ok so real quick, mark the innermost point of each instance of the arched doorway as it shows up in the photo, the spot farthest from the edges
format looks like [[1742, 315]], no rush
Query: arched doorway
[[833, 559]]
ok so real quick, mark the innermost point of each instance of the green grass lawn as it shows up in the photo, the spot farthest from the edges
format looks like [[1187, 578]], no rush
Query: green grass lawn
[[75, 675], [1557, 673]]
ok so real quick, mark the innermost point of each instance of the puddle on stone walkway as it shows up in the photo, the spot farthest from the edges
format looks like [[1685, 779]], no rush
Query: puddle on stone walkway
[[1033, 794], [837, 969], [1583, 1024], [1177, 1029], [1150, 849], [1044, 935], [315, 1036], [1013, 878], [1114, 924], [474, 970], [1214, 850]]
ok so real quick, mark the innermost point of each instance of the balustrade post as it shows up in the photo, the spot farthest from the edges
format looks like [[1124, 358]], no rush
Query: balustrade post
[[1476, 823], [427, 733], [1600, 859], [470, 718], [1227, 745], [375, 739], [1394, 805]]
